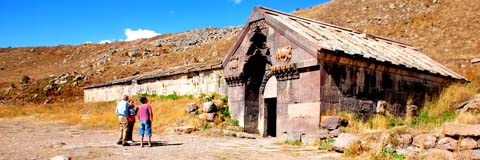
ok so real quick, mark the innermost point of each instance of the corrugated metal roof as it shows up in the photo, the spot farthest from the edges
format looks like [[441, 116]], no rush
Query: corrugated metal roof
[[204, 66], [334, 38]]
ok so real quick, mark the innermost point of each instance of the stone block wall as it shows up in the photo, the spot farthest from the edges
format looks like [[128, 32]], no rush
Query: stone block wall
[[357, 90], [184, 84]]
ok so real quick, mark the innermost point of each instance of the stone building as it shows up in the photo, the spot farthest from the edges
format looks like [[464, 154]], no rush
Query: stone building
[[193, 79], [284, 72]]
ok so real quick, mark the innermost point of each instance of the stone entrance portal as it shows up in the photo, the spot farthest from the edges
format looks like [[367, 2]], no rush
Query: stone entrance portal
[[253, 73], [270, 107]]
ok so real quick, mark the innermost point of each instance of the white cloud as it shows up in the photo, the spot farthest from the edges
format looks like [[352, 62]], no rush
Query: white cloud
[[237, 1], [138, 34], [105, 41]]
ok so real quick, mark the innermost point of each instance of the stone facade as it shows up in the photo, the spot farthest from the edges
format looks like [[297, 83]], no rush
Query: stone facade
[[285, 72], [183, 83]]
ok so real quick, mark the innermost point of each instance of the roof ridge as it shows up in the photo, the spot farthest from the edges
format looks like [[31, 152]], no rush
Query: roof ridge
[[334, 26]]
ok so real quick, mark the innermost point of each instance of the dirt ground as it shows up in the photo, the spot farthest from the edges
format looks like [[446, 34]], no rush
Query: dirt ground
[[24, 138]]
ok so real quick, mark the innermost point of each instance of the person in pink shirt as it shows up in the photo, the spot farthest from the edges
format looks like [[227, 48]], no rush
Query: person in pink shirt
[[145, 116]]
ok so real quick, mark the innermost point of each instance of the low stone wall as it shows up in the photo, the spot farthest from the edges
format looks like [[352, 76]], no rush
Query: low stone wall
[[183, 84]]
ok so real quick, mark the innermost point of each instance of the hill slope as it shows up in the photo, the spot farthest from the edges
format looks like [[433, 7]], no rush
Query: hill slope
[[36, 74], [447, 31]]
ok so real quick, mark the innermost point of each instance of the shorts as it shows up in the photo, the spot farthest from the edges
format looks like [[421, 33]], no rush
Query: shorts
[[145, 126]]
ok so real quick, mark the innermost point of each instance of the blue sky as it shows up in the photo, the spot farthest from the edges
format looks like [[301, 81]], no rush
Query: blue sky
[[72, 22]]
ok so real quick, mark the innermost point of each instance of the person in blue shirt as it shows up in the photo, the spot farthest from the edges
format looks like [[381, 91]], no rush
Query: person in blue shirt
[[122, 112]]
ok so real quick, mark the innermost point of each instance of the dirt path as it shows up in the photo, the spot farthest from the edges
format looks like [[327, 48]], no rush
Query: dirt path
[[26, 139]]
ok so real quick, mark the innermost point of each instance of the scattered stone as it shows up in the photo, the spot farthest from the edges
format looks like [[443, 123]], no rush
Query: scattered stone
[[60, 157], [211, 117], [472, 105], [9, 89], [133, 53], [57, 144], [447, 143], [381, 105], [465, 130], [157, 43], [228, 132], [331, 123], [47, 101], [403, 140], [191, 108], [475, 60], [425, 141], [334, 133], [209, 107], [79, 77], [245, 135], [409, 151], [184, 130], [476, 154], [25, 80], [202, 116], [468, 144], [323, 133], [343, 141], [436, 154], [196, 37]]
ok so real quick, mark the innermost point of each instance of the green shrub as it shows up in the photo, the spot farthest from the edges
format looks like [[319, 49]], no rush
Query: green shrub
[[233, 122], [294, 143], [226, 111], [206, 126], [390, 153], [326, 144], [233, 134], [224, 98], [173, 96]]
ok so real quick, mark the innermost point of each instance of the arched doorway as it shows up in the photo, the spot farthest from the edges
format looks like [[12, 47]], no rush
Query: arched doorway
[[270, 107], [253, 73]]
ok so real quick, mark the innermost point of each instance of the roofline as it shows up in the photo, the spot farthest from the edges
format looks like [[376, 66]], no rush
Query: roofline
[[129, 79], [334, 26]]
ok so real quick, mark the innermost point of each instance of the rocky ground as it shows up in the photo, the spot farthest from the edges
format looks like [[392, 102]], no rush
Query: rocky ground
[[23, 138]]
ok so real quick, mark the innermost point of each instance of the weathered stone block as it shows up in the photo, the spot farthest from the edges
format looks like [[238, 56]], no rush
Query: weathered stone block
[[191, 108], [447, 143], [403, 140], [184, 130], [331, 123], [209, 107], [344, 140], [437, 154], [466, 130], [426, 141], [468, 144], [381, 105]]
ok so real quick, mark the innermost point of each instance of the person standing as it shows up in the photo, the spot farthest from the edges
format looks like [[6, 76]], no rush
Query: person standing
[[145, 116], [122, 112], [131, 119]]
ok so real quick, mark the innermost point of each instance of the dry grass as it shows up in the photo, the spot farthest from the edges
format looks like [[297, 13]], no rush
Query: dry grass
[[168, 113], [358, 150], [468, 118], [442, 109], [374, 123]]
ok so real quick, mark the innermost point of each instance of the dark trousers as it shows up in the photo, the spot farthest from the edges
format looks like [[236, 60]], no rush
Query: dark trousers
[[129, 130]]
